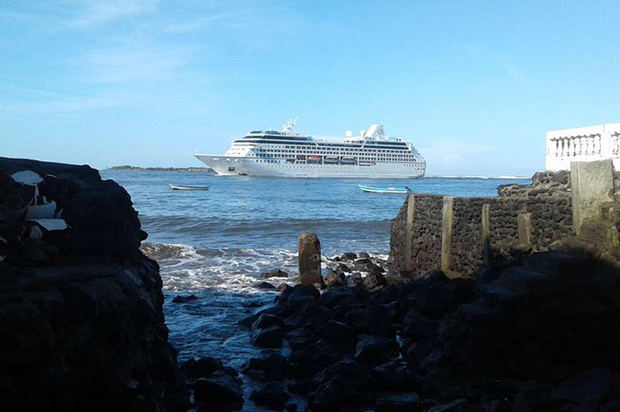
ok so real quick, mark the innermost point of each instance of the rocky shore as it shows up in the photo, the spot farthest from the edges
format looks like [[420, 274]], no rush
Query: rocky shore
[[82, 326], [81, 321], [535, 334]]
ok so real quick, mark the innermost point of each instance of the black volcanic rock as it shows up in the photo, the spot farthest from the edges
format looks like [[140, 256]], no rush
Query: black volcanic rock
[[184, 298], [272, 396], [81, 315]]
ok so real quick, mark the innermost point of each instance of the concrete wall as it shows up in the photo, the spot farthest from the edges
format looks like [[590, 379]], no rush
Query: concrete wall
[[582, 144]]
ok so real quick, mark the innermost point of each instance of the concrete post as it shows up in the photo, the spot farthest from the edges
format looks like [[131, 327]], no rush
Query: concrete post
[[309, 249], [592, 184], [486, 231], [409, 232], [447, 222], [524, 229]]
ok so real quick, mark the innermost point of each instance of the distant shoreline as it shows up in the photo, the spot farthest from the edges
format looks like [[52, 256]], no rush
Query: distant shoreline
[[162, 169]]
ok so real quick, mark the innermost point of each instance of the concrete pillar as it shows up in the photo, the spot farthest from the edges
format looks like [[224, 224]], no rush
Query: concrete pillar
[[309, 249], [486, 231], [524, 229], [409, 232], [447, 222], [592, 184]]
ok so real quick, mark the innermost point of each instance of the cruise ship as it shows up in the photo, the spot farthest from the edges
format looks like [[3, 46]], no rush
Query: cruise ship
[[286, 153]]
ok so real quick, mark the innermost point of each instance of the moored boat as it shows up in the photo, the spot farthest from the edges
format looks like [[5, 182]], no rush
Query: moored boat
[[389, 189], [188, 187]]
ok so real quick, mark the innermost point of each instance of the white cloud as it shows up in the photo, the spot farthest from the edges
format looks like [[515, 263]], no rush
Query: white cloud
[[105, 11], [453, 155], [134, 63], [64, 104]]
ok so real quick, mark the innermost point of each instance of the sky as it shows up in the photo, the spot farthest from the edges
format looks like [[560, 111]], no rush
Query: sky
[[474, 85]]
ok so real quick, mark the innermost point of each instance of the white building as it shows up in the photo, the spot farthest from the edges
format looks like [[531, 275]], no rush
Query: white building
[[582, 144]]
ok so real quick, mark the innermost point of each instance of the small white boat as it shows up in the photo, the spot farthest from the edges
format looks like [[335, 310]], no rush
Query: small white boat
[[389, 189], [189, 187]]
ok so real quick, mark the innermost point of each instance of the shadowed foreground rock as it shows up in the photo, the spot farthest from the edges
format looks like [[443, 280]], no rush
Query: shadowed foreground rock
[[81, 321], [535, 334]]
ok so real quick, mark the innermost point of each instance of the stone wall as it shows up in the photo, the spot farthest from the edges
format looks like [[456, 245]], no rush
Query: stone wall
[[458, 235]]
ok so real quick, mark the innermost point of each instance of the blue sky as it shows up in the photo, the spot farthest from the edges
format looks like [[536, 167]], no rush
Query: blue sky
[[475, 85]]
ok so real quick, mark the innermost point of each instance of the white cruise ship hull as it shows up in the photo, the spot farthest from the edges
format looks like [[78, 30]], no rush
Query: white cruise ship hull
[[251, 166]]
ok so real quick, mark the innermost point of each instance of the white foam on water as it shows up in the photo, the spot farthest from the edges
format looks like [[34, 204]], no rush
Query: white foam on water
[[184, 268]]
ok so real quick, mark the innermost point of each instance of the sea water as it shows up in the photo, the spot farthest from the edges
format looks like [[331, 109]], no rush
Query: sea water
[[215, 244]]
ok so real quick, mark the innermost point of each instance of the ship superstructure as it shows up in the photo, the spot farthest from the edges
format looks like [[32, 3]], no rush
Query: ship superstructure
[[371, 154]]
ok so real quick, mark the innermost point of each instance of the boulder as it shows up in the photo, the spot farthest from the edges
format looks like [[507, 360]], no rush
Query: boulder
[[301, 295], [584, 391], [200, 368], [276, 273], [184, 298], [263, 285], [270, 337], [337, 332], [272, 396], [218, 392], [334, 280], [373, 350], [266, 320], [273, 367], [348, 257], [374, 281], [405, 402], [309, 259], [339, 386]]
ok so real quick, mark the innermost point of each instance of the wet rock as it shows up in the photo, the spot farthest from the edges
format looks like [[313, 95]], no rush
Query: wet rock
[[394, 376], [218, 392], [334, 280], [263, 285], [270, 337], [283, 287], [342, 385], [342, 297], [300, 338], [337, 332], [272, 396], [584, 391], [341, 268], [200, 368], [417, 351], [449, 407], [308, 360], [247, 321], [276, 273], [417, 325], [371, 319], [405, 402], [374, 281], [266, 320], [184, 298], [363, 255], [273, 367], [373, 350], [309, 259], [354, 279], [301, 295], [348, 256], [307, 316]]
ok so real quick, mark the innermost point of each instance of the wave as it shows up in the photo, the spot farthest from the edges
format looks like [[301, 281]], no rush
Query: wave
[[181, 224]]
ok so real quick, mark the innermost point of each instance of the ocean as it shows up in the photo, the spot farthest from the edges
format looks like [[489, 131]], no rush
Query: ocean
[[215, 244]]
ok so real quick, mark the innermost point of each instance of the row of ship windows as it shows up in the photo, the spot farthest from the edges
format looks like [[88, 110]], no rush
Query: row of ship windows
[[380, 157], [323, 164], [330, 151]]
